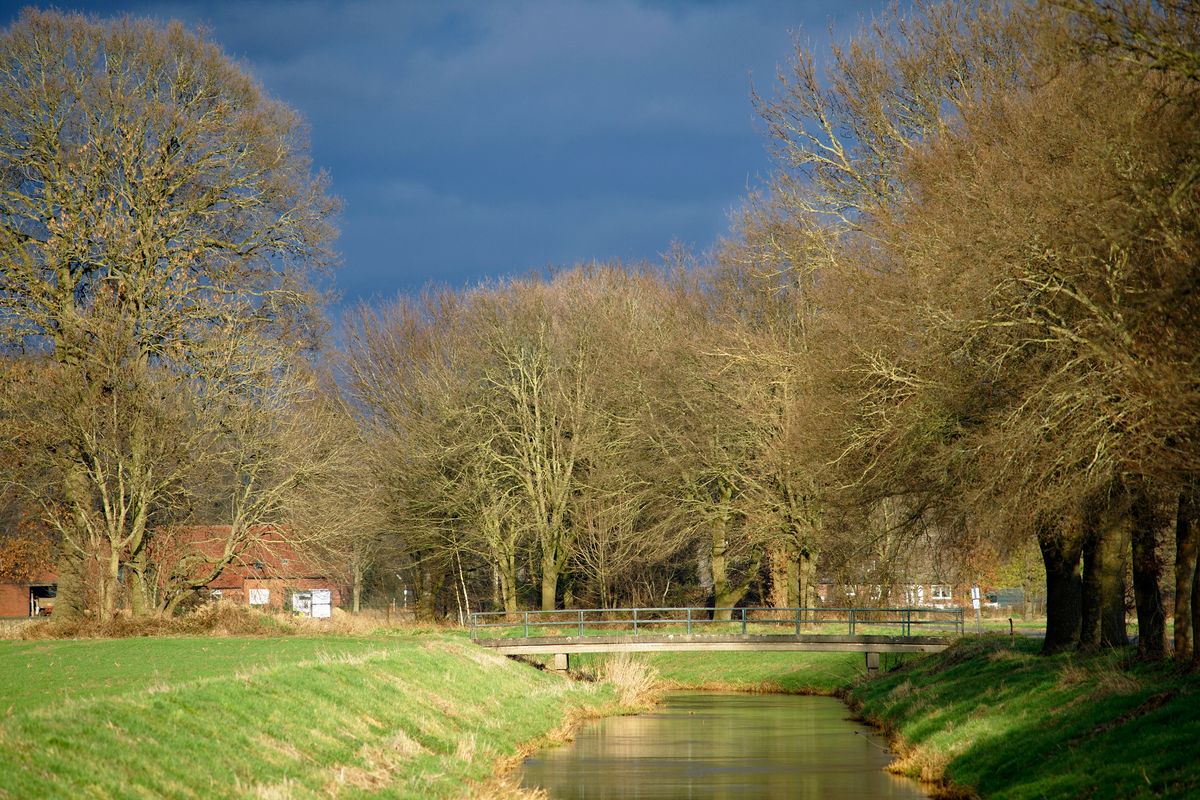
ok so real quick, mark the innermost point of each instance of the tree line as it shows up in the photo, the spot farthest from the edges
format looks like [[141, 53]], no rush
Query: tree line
[[956, 326]]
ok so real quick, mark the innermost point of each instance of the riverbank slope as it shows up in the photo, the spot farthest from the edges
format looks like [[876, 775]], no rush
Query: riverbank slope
[[991, 717], [422, 714], [765, 673]]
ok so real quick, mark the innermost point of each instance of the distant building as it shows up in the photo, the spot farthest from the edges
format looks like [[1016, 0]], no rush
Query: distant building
[[28, 598], [268, 574], [913, 595]]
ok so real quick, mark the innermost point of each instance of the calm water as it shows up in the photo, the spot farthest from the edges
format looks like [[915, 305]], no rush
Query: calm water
[[705, 745]]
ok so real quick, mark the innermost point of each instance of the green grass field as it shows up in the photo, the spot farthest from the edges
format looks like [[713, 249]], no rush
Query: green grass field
[[993, 715], [424, 715]]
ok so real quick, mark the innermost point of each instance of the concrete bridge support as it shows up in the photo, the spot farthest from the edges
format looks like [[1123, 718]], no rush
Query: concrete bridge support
[[872, 664], [560, 662]]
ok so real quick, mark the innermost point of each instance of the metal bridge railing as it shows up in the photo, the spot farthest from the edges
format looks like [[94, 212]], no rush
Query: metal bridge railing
[[823, 620]]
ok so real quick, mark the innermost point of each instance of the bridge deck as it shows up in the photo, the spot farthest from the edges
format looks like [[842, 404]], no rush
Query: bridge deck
[[651, 643]]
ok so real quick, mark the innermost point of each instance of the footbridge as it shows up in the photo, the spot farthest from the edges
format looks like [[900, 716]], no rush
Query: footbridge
[[871, 631]]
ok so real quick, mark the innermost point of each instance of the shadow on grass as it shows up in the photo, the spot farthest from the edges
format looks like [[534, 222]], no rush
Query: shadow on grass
[[995, 716]]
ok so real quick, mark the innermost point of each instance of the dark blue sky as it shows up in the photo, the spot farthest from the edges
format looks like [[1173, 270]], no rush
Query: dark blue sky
[[479, 139]]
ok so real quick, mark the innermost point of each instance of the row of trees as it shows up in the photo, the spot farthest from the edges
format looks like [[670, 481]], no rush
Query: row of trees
[[1003, 204], [961, 313], [957, 323]]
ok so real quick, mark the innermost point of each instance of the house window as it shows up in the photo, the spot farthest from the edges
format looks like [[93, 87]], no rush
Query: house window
[[941, 591], [260, 597]]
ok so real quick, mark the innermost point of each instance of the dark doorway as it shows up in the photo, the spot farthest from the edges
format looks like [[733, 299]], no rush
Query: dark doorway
[[41, 599]]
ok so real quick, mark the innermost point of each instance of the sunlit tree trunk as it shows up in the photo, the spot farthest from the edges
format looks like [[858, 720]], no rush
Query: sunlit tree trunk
[[550, 575], [1114, 553], [506, 572], [1102, 605], [808, 584], [782, 568]]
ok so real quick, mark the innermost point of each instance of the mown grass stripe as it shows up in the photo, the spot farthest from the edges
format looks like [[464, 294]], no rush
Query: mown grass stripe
[[293, 723]]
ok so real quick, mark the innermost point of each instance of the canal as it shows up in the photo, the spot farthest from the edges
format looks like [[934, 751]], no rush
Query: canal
[[708, 745]]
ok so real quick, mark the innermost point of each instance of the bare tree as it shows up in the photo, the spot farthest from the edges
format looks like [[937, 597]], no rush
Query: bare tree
[[150, 188]]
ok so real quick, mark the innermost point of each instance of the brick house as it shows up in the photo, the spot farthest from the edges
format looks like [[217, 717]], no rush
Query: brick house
[[269, 573], [33, 597]]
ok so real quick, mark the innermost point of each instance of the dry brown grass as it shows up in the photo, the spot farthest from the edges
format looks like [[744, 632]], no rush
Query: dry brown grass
[[376, 767], [928, 767], [15, 629], [213, 619], [636, 682], [921, 763], [1104, 682], [216, 619], [505, 787]]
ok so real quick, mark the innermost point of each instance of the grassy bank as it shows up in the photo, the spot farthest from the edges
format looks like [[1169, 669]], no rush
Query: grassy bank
[[395, 715], [992, 717], [782, 673]]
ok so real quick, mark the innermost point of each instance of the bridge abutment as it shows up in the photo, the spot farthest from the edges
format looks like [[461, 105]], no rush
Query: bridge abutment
[[560, 662], [872, 664]]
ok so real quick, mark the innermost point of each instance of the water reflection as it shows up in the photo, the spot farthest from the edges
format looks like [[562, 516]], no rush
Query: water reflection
[[706, 745]]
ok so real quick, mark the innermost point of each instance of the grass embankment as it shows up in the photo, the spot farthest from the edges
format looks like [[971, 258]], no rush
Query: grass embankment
[[994, 718], [780, 673], [396, 715]]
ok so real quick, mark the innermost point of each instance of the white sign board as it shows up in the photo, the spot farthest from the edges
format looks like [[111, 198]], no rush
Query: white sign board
[[322, 603], [302, 603]]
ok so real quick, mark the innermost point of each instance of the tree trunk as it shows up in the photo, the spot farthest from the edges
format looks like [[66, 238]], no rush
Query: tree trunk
[[77, 552], [497, 598], [1152, 629], [508, 588], [110, 585], [704, 570], [1114, 552], [1187, 542], [68, 602], [506, 569], [427, 591], [793, 581], [1196, 618], [1102, 600], [141, 586], [720, 577], [726, 593], [1063, 588], [808, 588], [719, 569], [1089, 595], [728, 596], [356, 587], [549, 581], [779, 559]]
